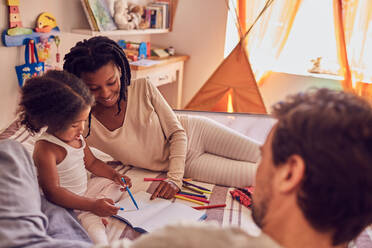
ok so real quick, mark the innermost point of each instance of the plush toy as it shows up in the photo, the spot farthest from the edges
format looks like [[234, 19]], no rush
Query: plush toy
[[121, 14], [135, 15], [128, 15]]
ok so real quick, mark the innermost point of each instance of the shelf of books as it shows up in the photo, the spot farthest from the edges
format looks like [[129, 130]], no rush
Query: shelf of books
[[121, 32], [153, 18]]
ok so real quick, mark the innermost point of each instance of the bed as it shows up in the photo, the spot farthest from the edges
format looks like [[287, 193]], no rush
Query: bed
[[254, 126]]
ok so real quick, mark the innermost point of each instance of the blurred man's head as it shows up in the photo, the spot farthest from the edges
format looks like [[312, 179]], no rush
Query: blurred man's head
[[318, 158]]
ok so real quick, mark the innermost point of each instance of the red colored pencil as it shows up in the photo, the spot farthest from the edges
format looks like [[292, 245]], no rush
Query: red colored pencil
[[210, 206], [153, 179], [195, 198]]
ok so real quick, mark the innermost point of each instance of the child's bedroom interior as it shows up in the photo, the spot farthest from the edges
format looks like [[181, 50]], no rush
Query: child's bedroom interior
[[241, 123]]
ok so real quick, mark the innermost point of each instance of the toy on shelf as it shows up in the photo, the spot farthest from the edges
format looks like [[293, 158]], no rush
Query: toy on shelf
[[45, 23], [128, 16], [17, 35], [135, 50], [57, 41], [15, 23]]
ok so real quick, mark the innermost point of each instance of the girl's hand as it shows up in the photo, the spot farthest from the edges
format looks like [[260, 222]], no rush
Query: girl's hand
[[104, 207], [117, 179], [165, 190]]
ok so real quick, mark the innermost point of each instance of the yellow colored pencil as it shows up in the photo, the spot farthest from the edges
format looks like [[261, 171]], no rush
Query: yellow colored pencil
[[193, 189], [196, 189], [204, 191], [188, 199]]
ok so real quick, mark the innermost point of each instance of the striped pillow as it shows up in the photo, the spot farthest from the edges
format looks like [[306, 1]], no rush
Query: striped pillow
[[17, 132]]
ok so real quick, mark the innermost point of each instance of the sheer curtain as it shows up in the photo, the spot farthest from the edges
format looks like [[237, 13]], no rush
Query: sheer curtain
[[311, 44], [349, 37], [353, 23], [268, 36]]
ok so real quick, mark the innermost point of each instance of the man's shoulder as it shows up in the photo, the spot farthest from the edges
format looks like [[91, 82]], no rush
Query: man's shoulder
[[206, 234]]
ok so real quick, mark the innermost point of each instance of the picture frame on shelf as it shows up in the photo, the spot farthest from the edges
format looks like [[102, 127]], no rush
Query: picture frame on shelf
[[89, 15], [98, 13]]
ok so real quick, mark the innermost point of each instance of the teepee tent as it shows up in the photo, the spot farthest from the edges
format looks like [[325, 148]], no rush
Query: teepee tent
[[233, 79]]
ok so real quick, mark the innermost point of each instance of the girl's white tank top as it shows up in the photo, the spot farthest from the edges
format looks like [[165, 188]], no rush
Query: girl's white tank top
[[71, 170]]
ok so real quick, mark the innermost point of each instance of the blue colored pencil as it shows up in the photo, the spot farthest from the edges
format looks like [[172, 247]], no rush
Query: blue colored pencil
[[130, 194], [192, 194]]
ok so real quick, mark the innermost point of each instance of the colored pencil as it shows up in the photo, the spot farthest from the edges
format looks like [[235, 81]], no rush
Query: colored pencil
[[205, 191], [196, 186], [193, 189], [195, 198], [210, 206], [187, 179], [153, 179], [130, 193], [188, 199], [188, 193]]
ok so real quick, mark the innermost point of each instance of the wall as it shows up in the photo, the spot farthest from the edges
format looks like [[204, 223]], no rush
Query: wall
[[68, 13], [199, 31], [29, 10]]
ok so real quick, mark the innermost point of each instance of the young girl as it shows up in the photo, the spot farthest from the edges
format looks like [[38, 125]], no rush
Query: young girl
[[61, 102]]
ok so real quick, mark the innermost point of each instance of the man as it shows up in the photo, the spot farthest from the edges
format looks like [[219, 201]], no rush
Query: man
[[313, 184]]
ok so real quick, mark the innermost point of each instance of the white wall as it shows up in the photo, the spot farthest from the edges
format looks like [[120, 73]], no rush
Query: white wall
[[199, 31], [68, 13]]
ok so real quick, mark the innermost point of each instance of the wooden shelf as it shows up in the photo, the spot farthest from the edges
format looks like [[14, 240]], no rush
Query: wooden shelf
[[121, 32]]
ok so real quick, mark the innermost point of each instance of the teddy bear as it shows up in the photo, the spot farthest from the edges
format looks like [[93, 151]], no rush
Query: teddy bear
[[128, 15]]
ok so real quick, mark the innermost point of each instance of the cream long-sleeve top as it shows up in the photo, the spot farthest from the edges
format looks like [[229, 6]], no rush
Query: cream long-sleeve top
[[151, 136]]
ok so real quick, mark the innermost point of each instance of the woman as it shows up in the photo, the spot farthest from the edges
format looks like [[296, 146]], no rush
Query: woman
[[133, 123]]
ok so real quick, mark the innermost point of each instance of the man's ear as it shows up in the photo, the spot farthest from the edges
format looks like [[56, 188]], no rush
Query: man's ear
[[289, 175]]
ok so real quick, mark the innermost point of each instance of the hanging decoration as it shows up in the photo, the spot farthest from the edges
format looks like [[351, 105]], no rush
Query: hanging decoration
[[17, 35], [30, 68]]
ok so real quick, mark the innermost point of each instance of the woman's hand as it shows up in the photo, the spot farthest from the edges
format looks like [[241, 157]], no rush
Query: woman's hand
[[165, 190], [117, 179], [104, 207]]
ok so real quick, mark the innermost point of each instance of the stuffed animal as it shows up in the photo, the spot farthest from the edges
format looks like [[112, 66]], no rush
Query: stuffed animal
[[128, 15], [121, 14], [135, 15]]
